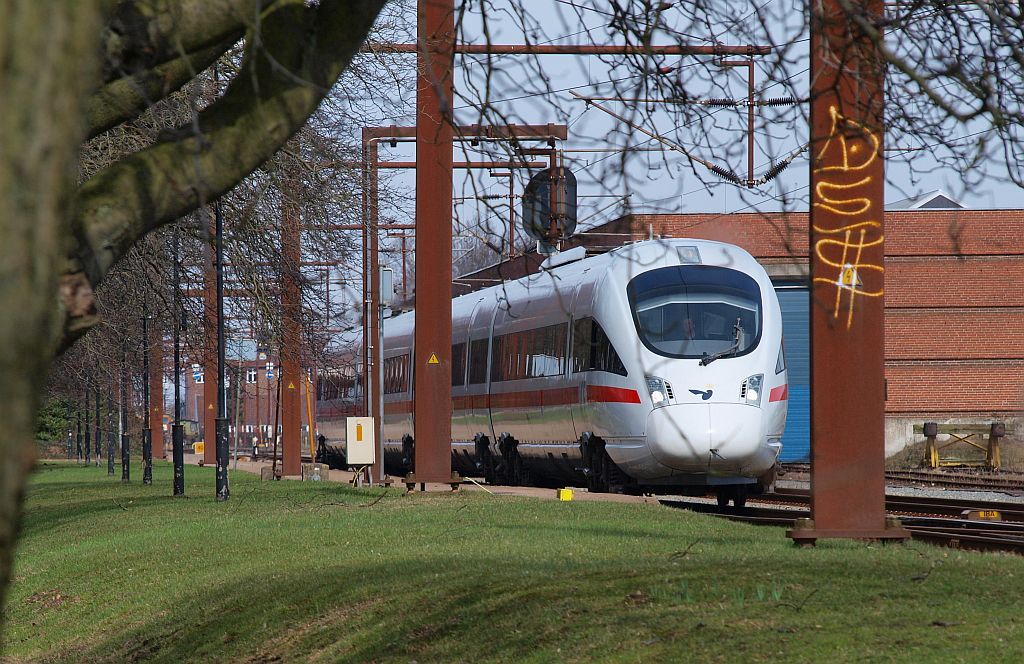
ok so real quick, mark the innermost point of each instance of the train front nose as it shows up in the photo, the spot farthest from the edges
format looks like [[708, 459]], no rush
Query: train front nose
[[712, 438]]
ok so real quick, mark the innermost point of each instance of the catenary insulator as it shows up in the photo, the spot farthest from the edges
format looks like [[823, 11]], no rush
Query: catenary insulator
[[728, 175], [774, 171]]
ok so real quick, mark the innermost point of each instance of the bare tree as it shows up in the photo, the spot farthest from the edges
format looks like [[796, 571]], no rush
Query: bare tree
[[72, 70]]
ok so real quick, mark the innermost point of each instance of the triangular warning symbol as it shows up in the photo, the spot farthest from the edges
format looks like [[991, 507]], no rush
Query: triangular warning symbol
[[433, 359], [849, 277], [291, 385], [210, 407]]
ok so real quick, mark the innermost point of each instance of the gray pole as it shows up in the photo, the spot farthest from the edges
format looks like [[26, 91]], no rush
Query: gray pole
[[88, 433], [110, 429], [221, 422], [99, 431], [147, 431], [238, 410], [177, 430], [125, 440], [380, 392], [78, 438]]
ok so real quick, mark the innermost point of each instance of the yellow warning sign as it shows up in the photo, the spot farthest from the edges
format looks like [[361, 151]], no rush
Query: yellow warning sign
[[291, 385], [849, 277], [433, 359], [210, 407]]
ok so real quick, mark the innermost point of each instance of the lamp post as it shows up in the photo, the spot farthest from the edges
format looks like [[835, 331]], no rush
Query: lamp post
[[177, 430], [223, 492], [99, 431], [147, 431], [110, 429], [88, 433], [125, 439]]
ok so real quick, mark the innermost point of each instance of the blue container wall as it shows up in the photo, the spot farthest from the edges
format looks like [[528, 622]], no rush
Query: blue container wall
[[796, 441]]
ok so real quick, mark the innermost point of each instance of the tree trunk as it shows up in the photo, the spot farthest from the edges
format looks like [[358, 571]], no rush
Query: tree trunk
[[49, 63]]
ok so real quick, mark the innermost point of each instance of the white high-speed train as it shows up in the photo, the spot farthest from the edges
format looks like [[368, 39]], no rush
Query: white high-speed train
[[657, 366]]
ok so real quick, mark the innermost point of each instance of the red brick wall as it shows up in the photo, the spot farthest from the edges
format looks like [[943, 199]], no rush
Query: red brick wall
[[955, 282], [961, 333], [954, 296], [907, 232], [944, 388]]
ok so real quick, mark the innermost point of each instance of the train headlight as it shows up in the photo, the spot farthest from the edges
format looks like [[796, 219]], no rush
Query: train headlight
[[752, 389], [656, 388]]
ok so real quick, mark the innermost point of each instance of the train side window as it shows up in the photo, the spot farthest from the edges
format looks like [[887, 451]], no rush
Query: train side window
[[535, 353], [500, 359], [592, 350], [459, 364], [547, 357], [477, 361]]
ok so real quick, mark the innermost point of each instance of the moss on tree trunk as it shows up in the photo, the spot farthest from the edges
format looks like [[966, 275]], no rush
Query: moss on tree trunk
[[49, 63]]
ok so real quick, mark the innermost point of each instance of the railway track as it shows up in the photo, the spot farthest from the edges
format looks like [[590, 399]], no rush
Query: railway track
[[935, 520], [1009, 482], [1014, 482]]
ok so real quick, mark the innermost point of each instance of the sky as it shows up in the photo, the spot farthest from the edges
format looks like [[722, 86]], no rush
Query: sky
[[540, 90], [654, 178]]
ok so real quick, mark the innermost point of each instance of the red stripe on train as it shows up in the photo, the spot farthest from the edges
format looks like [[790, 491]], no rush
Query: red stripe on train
[[606, 394], [563, 396], [780, 393]]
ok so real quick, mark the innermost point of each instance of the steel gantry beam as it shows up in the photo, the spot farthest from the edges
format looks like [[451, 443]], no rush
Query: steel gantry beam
[[156, 391], [210, 383], [574, 49], [431, 369], [847, 281], [371, 227], [435, 51], [291, 310]]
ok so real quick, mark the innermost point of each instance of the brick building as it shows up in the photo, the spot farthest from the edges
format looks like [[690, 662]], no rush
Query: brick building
[[954, 302], [254, 397]]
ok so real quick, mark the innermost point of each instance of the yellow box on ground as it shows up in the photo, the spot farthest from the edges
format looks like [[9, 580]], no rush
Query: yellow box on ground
[[565, 495]]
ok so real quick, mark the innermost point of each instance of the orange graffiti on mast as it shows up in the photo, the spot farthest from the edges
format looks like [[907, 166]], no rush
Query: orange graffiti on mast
[[843, 250]]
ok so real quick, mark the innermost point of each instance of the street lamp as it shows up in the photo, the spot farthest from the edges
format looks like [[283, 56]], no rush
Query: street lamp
[[221, 422], [177, 430], [147, 431]]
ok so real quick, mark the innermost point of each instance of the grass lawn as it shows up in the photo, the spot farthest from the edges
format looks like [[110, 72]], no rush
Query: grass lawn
[[291, 571]]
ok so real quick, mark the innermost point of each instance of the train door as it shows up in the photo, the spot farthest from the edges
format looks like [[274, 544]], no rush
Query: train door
[[477, 417], [463, 433], [582, 308]]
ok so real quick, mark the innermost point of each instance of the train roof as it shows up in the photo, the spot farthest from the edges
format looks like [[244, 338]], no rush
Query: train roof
[[624, 262]]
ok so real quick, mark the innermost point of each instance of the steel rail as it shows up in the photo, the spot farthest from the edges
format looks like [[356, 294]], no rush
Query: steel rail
[[958, 533]]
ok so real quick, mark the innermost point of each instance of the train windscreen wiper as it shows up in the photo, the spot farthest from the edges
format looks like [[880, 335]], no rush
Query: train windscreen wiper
[[708, 358]]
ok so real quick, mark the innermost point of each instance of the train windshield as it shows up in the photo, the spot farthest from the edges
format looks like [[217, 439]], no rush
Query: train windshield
[[696, 311]]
